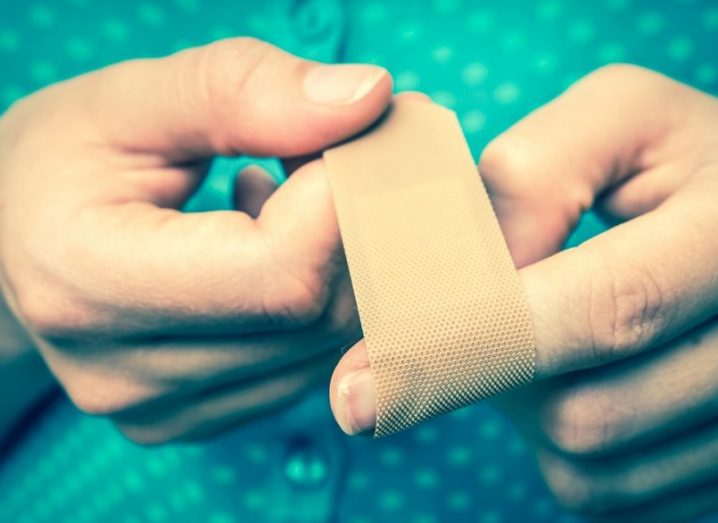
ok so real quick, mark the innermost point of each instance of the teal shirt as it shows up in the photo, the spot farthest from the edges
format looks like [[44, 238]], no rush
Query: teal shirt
[[491, 61]]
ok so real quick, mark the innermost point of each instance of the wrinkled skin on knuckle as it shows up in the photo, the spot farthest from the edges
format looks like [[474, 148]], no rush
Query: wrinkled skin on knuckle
[[96, 394], [579, 423], [576, 487], [296, 303], [48, 312], [221, 71], [515, 166], [626, 308]]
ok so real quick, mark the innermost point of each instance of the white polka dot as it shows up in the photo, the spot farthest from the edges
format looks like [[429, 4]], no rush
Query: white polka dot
[[42, 16], [115, 29], [373, 12], [151, 14], [650, 22], [426, 479], [445, 98], [706, 74], [473, 121], [426, 434], [507, 92], [9, 41], [543, 507], [516, 491], [188, 5], [546, 63], [78, 49], [43, 72], [513, 39], [391, 456], [480, 21], [680, 48], [474, 74], [581, 31], [549, 9], [220, 32], [490, 474], [390, 501], [442, 54], [406, 81], [617, 5], [490, 429], [409, 32], [425, 518], [459, 501], [490, 516], [611, 52], [710, 18], [358, 481], [444, 7]]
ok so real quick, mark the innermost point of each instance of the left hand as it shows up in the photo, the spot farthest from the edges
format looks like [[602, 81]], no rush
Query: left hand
[[625, 421]]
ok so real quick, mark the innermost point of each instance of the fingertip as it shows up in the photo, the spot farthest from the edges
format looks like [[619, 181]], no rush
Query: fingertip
[[351, 392]]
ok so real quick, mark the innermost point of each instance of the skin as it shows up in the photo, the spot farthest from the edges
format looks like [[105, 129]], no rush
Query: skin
[[177, 325], [623, 416]]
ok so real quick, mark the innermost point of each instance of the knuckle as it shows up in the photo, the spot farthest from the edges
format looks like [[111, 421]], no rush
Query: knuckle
[[516, 166], [222, 70], [506, 160], [574, 487], [302, 301], [97, 394], [579, 423], [635, 80], [618, 72], [627, 310], [50, 313]]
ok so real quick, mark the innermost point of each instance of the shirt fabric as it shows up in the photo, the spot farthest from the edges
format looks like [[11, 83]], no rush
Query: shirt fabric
[[491, 61]]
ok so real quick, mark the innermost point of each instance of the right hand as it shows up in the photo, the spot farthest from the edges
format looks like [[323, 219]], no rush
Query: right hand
[[178, 325]]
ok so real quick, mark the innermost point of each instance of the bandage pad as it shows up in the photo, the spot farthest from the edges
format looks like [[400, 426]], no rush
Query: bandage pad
[[443, 312]]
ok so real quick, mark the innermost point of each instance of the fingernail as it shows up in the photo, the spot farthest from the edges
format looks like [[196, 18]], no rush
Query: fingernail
[[341, 84], [358, 402]]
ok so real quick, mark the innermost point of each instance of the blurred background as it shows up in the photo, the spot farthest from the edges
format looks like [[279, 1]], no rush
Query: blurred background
[[490, 61]]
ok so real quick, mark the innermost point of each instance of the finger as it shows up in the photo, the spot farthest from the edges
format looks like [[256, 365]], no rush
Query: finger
[[292, 164], [233, 96], [623, 133], [351, 391], [615, 295], [111, 377], [211, 413], [252, 189], [166, 272], [626, 290], [625, 405], [607, 485]]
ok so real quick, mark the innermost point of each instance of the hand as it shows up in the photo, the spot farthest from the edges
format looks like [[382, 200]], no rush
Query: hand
[[178, 325], [625, 419]]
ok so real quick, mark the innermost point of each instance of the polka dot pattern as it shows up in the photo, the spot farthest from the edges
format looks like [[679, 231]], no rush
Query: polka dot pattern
[[492, 62]]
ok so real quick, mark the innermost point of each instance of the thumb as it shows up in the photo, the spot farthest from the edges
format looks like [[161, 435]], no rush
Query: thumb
[[233, 96]]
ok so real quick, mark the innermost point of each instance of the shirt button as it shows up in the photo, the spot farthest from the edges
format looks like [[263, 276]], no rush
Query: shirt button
[[313, 19], [306, 465]]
